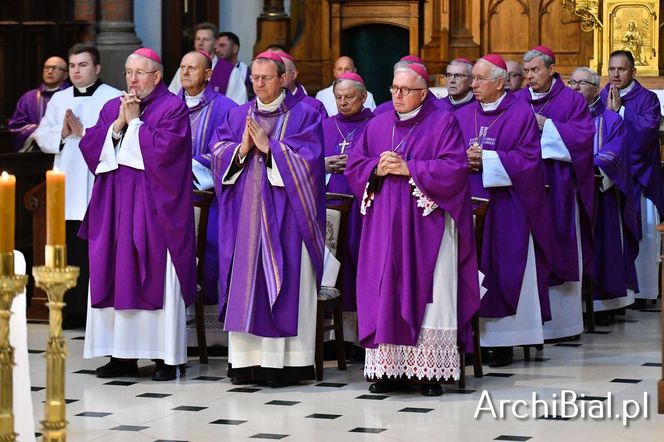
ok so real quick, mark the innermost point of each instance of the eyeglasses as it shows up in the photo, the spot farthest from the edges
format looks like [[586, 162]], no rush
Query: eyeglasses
[[456, 76], [54, 68], [581, 83], [482, 80], [263, 78], [139, 74], [394, 90]]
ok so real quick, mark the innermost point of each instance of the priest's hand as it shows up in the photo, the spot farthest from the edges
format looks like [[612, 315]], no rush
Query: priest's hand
[[132, 109], [258, 136], [74, 123], [121, 121], [66, 130], [541, 119], [247, 143], [614, 101], [393, 164], [474, 158], [335, 163]]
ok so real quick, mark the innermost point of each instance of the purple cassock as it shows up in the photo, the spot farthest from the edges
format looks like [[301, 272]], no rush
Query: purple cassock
[[400, 245], [446, 104], [300, 95], [136, 216], [221, 75], [616, 229], [570, 182], [29, 111], [264, 226], [515, 212], [441, 103], [642, 117], [338, 131], [205, 117]]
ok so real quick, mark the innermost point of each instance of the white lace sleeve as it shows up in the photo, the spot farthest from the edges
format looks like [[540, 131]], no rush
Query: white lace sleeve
[[422, 200], [367, 199]]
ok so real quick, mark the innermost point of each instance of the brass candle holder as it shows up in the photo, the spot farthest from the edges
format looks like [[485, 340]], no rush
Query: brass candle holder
[[55, 278], [10, 285]]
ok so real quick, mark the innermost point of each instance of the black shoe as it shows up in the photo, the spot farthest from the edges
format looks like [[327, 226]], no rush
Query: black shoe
[[502, 357], [117, 368], [385, 386], [603, 319], [639, 304], [164, 372], [432, 390]]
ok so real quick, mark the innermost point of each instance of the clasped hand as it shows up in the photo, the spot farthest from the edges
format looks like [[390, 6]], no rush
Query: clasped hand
[[71, 125], [391, 164], [474, 158], [253, 136], [336, 163], [614, 101], [129, 109]]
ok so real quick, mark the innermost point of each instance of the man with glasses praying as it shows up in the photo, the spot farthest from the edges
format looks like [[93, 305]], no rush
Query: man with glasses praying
[[515, 76], [616, 232], [567, 131], [68, 115], [640, 110], [140, 226], [418, 286], [32, 105], [459, 93]]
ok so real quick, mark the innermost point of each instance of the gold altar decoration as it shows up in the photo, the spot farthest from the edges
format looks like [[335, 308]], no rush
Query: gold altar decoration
[[55, 278], [10, 285]]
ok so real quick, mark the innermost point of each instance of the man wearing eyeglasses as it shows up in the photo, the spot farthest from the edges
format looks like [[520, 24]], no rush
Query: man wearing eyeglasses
[[641, 112], [616, 232], [515, 73], [459, 76], [418, 285], [140, 226], [567, 132], [32, 105], [68, 115]]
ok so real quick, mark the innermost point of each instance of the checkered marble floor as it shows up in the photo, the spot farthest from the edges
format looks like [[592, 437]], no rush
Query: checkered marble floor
[[623, 359]]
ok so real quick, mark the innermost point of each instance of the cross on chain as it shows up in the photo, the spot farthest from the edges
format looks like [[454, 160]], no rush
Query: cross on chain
[[343, 145]]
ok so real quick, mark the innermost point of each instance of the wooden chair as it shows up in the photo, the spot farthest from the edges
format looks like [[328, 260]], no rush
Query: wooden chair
[[329, 298], [202, 200], [480, 206]]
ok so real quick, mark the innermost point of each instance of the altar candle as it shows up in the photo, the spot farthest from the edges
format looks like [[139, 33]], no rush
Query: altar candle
[[55, 208], [7, 200]]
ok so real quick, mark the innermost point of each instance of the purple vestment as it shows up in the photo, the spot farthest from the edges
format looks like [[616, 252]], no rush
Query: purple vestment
[[616, 227], [300, 95], [262, 226], [205, 117], [221, 75], [135, 216], [399, 245], [570, 181], [29, 111], [642, 117], [515, 212], [335, 129], [439, 102]]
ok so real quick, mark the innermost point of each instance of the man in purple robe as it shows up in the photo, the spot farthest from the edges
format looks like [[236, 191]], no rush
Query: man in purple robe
[[269, 171], [207, 110], [506, 168], [567, 132], [296, 89], [641, 112], [459, 93], [419, 288], [340, 134], [616, 233], [140, 225], [32, 105]]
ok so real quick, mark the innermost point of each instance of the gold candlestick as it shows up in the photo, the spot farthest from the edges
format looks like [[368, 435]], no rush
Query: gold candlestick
[[10, 285], [55, 278]]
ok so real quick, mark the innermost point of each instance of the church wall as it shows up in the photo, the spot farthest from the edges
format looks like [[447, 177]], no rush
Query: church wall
[[147, 19]]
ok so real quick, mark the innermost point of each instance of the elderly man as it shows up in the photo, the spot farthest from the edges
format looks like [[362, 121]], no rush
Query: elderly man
[[459, 93], [515, 76], [504, 158], [140, 226], [326, 96], [640, 110], [341, 132], [69, 113], [418, 288], [567, 131], [269, 177], [32, 105], [616, 233], [295, 88], [225, 78]]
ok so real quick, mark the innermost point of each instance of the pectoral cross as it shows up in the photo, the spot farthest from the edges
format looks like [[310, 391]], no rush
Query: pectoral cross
[[343, 145]]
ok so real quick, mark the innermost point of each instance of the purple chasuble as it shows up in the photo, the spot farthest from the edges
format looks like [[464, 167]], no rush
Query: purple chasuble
[[642, 118], [300, 95], [205, 117], [439, 102], [616, 243], [29, 111], [221, 75], [262, 226], [338, 131], [570, 182], [514, 211], [446, 104], [135, 216], [399, 245]]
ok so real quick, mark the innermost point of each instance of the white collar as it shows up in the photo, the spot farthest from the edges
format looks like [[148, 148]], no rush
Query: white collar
[[493, 106], [192, 101], [627, 90], [83, 90], [271, 107], [409, 115], [465, 99], [537, 95]]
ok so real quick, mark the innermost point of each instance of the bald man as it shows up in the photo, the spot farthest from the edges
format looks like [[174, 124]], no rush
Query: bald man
[[326, 96], [32, 105], [515, 76]]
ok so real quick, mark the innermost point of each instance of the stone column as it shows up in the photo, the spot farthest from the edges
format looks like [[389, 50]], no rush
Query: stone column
[[116, 39], [273, 26]]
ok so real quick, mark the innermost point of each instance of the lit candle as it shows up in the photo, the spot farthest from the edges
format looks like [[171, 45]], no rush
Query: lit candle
[[55, 208], [7, 200]]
